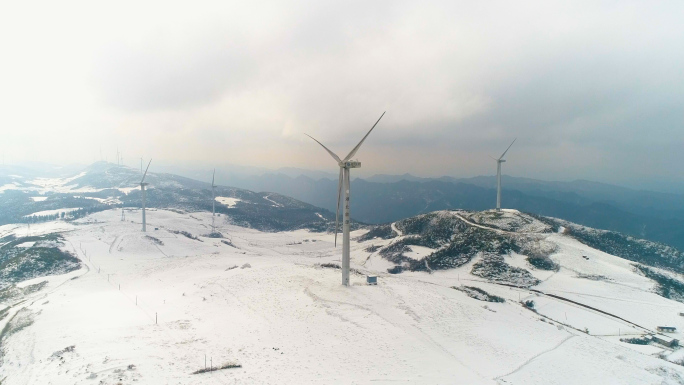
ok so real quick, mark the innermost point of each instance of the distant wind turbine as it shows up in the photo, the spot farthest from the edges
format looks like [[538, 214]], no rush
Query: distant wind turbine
[[142, 190], [498, 176], [213, 203], [345, 165]]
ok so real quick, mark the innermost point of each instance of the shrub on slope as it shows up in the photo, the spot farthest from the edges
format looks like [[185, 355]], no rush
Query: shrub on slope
[[479, 294], [633, 249], [494, 268], [44, 257], [666, 286]]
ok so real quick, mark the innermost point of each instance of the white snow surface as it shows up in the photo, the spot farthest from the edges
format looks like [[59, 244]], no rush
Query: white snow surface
[[127, 190], [61, 185], [52, 212], [287, 320], [227, 201], [107, 201], [508, 220], [9, 186]]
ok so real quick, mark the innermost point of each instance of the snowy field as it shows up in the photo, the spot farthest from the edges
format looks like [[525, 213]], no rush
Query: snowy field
[[149, 310], [53, 212], [227, 201]]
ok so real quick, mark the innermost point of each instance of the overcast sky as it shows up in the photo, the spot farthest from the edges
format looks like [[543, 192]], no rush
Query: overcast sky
[[592, 90]]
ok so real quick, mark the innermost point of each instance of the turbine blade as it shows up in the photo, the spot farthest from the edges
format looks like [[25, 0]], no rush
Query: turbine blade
[[212, 178], [145, 174], [337, 158], [502, 155], [364, 138], [337, 214]]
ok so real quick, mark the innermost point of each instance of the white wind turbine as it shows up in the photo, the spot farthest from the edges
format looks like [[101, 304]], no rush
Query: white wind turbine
[[498, 176], [345, 165], [213, 202], [142, 190]]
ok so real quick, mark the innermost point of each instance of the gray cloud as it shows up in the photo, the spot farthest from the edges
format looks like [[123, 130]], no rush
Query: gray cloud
[[592, 90]]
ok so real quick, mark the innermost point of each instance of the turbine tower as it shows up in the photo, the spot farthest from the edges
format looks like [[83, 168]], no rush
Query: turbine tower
[[142, 190], [345, 165], [213, 203], [498, 176]]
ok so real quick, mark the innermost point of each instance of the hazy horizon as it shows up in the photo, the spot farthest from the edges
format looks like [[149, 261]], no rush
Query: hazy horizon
[[224, 173], [591, 90]]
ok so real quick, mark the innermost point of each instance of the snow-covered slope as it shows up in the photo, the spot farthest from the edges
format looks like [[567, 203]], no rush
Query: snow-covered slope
[[148, 308], [102, 186]]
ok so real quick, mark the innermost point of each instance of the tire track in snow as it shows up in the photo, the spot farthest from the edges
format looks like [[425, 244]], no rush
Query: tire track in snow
[[113, 242], [13, 309], [396, 230], [527, 362], [419, 335]]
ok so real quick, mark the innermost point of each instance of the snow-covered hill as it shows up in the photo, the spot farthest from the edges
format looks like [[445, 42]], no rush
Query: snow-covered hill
[[101, 186], [148, 308]]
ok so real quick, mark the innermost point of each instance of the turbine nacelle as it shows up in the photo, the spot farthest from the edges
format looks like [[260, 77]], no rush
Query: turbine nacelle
[[343, 186], [350, 164]]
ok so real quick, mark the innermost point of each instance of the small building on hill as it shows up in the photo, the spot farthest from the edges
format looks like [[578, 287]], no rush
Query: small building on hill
[[666, 340], [666, 329]]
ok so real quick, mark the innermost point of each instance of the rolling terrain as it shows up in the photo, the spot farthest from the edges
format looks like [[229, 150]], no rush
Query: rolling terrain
[[101, 186], [269, 307], [388, 198], [477, 297]]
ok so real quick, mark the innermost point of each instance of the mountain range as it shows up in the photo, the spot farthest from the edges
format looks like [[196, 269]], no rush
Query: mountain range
[[386, 198]]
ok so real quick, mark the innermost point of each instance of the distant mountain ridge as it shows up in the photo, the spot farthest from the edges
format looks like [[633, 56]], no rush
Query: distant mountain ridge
[[386, 198], [103, 186], [380, 199]]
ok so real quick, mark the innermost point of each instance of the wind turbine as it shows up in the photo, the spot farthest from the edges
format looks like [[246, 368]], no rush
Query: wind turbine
[[142, 190], [498, 176], [213, 203], [345, 165]]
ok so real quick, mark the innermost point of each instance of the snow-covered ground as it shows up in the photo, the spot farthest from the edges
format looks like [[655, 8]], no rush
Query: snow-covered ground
[[107, 201], [227, 201], [148, 312], [53, 212], [127, 190]]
